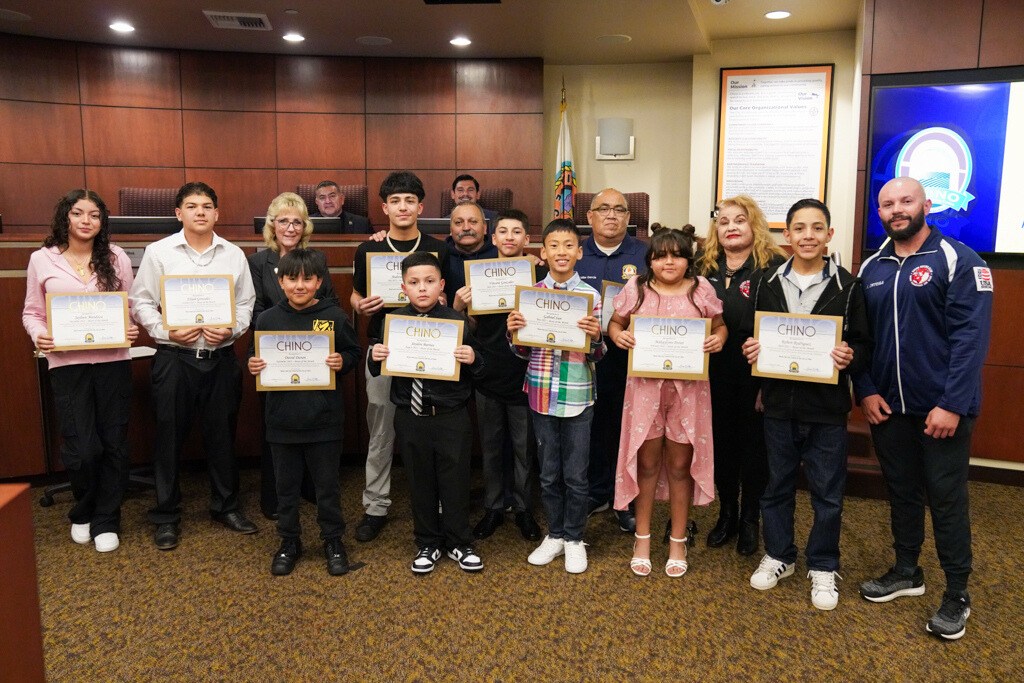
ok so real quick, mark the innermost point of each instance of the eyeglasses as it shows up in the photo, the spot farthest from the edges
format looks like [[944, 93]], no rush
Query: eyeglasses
[[604, 210], [285, 223]]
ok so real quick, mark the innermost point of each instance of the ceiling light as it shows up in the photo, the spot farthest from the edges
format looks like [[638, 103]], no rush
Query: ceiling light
[[460, 41], [122, 27], [614, 39], [778, 14], [373, 40], [291, 11], [294, 37]]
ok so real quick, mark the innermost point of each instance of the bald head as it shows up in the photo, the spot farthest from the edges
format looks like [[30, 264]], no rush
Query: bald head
[[608, 216], [902, 206], [903, 184]]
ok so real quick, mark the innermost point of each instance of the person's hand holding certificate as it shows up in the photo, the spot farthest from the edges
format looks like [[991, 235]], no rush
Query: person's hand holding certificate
[[669, 348], [551, 318], [289, 361], [808, 348], [428, 348], [95, 320]]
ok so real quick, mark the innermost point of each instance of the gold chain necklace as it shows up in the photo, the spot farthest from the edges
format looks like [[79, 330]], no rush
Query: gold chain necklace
[[391, 244], [76, 264]]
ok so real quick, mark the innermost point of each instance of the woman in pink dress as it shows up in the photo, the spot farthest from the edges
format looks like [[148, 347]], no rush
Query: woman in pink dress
[[666, 449]]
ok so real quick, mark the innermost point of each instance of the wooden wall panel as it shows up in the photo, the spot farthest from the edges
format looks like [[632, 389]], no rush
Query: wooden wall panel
[[505, 85], [410, 141], [108, 180], [433, 182], [1001, 37], [119, 136], [21, 449], [232, 81], [326, 85], [321, 141], [230, 139], [859, 219], [925, 35], [528, 188], [499, 140], [410, 86], [40, 133], [129, 77], [28, 193], [869, 29], [997, 432], [865, 111], [1004, 344], [241, 194], [37, 69]]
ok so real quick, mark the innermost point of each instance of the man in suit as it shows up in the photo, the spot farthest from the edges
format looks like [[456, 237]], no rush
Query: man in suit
[[465, 188], [330, 202]]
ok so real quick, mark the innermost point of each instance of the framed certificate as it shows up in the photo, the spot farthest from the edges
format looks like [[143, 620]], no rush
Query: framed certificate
[[422, 347], [608, 291], [197, 301], [669, 348], [384, 277], [797, 346], [494, 282], [95, 320], [296, 361], [551, 318]]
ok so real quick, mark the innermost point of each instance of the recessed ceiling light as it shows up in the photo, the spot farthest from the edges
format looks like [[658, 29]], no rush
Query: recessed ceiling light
[[11, 15], [778, 14], [294, 37], [614, 39], [373, 40], [122, 27], [460, 41], [291, 11]]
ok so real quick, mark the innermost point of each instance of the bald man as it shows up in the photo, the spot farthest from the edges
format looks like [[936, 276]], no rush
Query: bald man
[[929, 302]]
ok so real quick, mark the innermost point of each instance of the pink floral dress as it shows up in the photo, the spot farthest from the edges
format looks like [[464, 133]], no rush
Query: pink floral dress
[[679, 409]]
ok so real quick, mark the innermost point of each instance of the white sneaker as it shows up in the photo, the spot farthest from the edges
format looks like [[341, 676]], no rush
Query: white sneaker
[[575, 557], [548, 550], [824, 594], [769, 572], [106, 542], [80, 533]]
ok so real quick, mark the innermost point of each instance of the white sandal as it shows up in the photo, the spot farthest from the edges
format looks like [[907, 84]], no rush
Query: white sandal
[[674, 566], [641, 566]]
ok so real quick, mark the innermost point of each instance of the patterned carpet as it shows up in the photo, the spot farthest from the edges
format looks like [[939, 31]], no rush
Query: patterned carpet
[[210, 610]]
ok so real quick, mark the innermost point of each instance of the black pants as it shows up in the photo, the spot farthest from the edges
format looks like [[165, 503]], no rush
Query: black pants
[[268, 484], [185, 387], [322, 461], [435, 450], [741, 461], [915, 466], [93, 402], [606, 428]]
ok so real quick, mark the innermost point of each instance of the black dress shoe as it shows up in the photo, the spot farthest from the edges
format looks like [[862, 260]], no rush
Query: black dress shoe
[[726, 526], [286, 557], [166, 536], [337, 558], [369, 527], [492, 519], [527, 525], [691, 532], [746, 544], [627, 521], [236, 521]]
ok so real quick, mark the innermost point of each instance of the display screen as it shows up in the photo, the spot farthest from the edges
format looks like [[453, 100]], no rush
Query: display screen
[[964, 141]]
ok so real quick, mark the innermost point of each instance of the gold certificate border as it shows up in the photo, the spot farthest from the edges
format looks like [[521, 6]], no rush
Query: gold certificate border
[[605, 284], [163, 299], [418, 319], [369, 280], [305, 387], [484, 311], [80, 347], [668, 375], [838, 319], [561, 292]]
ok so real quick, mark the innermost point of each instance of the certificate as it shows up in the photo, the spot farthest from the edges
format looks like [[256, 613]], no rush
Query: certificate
[[551, 318], [608, 291], [384, 277], [669, 348], [797, 346], [494, 282], [422, 347], [97, 320], [296, 361], [197, 301]]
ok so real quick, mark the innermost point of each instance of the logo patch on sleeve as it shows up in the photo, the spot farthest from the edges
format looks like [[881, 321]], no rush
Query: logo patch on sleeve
[[323, 326], [983, 279]]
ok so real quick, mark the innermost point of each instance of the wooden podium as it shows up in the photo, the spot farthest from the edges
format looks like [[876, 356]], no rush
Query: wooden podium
[[21, 648]]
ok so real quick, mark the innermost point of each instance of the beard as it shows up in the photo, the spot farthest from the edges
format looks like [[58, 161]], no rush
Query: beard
[[914, 225]]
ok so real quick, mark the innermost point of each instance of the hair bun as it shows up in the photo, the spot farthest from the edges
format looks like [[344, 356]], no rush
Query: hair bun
[[688, 230], [655, 227]]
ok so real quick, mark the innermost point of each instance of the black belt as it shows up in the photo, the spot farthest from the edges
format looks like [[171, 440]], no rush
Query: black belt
[[431, 410], [201, 354]]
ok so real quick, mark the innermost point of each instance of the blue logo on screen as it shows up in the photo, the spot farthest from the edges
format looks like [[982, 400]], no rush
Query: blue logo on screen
[[942, 162]]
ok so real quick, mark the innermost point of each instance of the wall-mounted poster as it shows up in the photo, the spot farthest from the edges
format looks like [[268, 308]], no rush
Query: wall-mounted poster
[[773, 135]]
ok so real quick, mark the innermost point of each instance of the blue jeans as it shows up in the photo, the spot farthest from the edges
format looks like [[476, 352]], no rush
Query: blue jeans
[[563, 447], [822, 449]]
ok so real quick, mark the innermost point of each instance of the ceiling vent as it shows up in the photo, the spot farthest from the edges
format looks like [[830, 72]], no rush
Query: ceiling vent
[[246, 21]]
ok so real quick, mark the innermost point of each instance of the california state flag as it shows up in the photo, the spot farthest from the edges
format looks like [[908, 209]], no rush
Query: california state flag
[[565, 180]]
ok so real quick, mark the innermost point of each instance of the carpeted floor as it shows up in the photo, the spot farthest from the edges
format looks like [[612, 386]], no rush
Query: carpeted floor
[[210, 610]]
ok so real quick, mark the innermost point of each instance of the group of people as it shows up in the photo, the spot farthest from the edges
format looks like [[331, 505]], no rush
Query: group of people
[[914, 335]]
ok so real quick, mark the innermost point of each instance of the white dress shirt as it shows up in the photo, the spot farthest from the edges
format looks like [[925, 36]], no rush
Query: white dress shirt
[[173, 256]]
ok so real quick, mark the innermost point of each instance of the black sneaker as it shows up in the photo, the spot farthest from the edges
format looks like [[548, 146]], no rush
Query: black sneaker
[[893, 584], [950, 621], [286, 557], [369, 527], [595, 507], [425, 560], [337, 558], [467, 558]]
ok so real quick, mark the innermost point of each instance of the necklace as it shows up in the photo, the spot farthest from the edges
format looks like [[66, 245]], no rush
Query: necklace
[[199, 263], [391, 244], [76, 264]]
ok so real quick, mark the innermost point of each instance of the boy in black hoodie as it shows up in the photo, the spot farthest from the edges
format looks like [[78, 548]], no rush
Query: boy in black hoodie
[[307, 425], [806, 421]]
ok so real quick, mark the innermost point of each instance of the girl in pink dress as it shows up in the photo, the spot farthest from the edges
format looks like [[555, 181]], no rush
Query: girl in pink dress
[[666, 448]]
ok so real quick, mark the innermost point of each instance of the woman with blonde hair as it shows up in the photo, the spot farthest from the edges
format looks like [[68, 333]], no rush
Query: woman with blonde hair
[[738, 247]]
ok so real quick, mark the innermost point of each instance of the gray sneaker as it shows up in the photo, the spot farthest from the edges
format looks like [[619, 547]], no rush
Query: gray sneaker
[[950, 621], [893, 584]]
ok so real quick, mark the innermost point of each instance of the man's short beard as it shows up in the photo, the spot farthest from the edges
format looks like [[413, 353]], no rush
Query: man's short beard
[[913, 227]]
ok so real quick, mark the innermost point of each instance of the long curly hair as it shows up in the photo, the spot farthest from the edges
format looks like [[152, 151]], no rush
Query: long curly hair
[[764, 246], [667, 241], [102, 260]]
